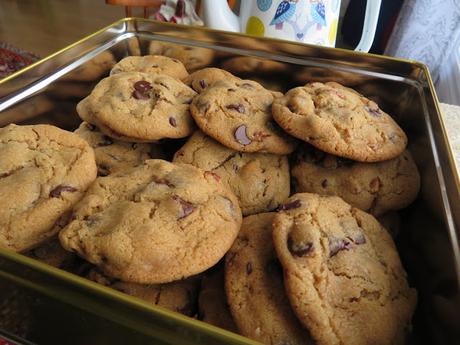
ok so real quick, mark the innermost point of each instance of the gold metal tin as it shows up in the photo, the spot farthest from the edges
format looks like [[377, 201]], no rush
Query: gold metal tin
[[48, 305]]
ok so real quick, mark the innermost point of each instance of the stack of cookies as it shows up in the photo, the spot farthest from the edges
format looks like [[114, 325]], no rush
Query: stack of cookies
[[113, 202]]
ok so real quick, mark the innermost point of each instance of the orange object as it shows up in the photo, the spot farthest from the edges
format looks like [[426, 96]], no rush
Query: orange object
[[129, 4]]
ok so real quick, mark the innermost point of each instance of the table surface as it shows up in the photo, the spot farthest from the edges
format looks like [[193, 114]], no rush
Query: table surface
[[45, 26]]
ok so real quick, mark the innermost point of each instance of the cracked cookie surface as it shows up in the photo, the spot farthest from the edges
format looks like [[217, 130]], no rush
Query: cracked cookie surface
[[238, 115], [343, 275], [155, 223], [155, 64], [139, 107], [372, 187], [114, 155], [340, 121], [254, 286], [179, 296], [260, 181], [44, 171]]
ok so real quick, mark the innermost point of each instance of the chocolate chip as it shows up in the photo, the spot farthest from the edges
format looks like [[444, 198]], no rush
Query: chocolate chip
[[373, 112], [172, 122], [140, 95], [246, 86], [248, 268], [106, 141], [324, 183], [240, 135], [186, 207], [103, 170], [338, 244], [90, 127], [187, 48], [290, 205], [299, 249], [64, 219], [238, 107], [56, 192], [375, 185], [142, 86], [134, 146], [213, 175], [203, 84]]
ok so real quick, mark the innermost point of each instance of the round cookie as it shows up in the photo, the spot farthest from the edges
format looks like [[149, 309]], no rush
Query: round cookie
[[343, 275], [237, 114], [212, 302], [340, 121], [201, 79], [154, 64], [113, 155], [44, 171], [140, 107], [193, 58], [254, 286], [260, 181], [155, 223], [52, 253], [93, 69], [372, 187], [179, 296], [247, 65]]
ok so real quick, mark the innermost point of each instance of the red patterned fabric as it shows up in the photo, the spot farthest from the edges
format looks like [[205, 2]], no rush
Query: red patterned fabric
[[13, 59]]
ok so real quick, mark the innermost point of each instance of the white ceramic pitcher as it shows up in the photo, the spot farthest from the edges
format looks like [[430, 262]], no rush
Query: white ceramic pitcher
[[306, 21]]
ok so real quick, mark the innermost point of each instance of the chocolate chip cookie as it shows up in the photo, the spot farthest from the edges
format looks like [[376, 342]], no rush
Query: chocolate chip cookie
[[249, 66], [201, 79], [179, 296], [260, 181], [155, 223], [193, 58], [254, 286], [373, 187], [52, 253], [154, 64], [212, 302], [113, 155], [99, 66], [343, 275], [44, 171], [139, 107], [238, 115], [340, 121]]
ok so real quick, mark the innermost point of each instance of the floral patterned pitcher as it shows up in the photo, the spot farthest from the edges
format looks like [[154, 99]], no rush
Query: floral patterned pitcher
[[306, 21]]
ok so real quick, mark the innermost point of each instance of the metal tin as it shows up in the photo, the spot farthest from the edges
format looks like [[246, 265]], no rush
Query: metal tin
[[59, 304]]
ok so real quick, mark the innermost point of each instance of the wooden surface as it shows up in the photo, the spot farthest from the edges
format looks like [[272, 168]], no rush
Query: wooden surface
[[45, 26]]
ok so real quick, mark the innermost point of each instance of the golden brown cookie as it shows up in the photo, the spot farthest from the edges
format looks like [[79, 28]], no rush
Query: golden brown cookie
[[238, 115], [139, 107], [343, 275], [373, 187], [212, 302], [340, 121], [99, 66], [201, 79], [260, 181], [44, 171], [113, 155], [254, 286], [179, 296], [155, 223], [248, 66], [155, 64], [193, 58]]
